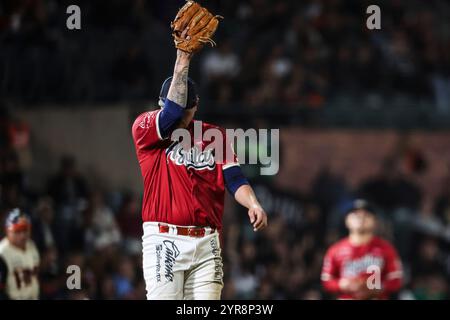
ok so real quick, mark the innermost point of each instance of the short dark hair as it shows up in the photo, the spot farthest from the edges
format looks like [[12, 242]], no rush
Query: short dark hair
[[361, 204]]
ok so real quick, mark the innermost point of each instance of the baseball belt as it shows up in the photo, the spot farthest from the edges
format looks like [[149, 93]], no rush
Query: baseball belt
[[195, 232]]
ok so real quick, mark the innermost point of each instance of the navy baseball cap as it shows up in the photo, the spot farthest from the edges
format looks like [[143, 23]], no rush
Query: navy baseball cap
[[360, 204], [17, 220], [192, 93]]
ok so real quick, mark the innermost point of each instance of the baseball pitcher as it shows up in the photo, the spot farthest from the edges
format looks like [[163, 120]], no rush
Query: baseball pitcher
[[184, 188]]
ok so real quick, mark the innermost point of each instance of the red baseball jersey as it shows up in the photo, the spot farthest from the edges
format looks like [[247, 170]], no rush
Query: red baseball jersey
[[181, 187], [344, 260]]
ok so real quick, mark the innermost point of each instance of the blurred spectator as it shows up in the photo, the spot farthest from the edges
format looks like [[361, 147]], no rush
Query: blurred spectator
[[280, 65], [107, 290], [52, 281], [428, 258], [77, 295], [67, 187], [43, 225], [431, 287], [294, 93], [220, 67], [329, 190], [68, 190], [409, 57], [251, 63], [23, 16], [12, 175], [390, 189], [4, 125], [442, 204], [123, 279], [133, 74], [222, 63], [101, 229], [19, 140], [129, 221], [312, 294]]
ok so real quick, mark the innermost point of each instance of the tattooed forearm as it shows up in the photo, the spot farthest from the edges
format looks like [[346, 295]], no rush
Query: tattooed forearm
[[178, 89]]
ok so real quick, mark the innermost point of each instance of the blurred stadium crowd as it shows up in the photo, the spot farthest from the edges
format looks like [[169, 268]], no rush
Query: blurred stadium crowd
[[299, 54]]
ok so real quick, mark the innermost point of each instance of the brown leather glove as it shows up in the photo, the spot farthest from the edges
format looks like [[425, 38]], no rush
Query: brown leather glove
[[201, 26]]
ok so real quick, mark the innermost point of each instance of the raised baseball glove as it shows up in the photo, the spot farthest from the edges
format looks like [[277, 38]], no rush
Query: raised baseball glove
[[202, 26]]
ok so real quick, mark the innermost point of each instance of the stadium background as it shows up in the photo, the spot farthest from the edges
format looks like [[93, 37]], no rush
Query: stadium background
[[361, 113]]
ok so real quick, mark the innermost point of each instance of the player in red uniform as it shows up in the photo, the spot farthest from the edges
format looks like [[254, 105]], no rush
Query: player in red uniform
[[361, 266], [184, 195]]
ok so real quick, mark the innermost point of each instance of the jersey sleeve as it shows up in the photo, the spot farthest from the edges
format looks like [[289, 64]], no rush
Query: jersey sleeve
[[330, 272], [145, 130], [393, 271]]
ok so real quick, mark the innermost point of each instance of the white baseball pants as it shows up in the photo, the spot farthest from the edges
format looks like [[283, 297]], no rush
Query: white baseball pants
[[180, 267]]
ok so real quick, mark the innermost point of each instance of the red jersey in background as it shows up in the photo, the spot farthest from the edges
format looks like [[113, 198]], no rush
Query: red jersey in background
[[344, 260]]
